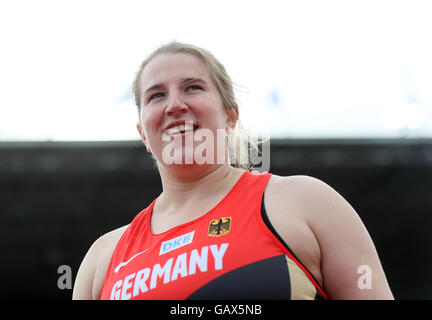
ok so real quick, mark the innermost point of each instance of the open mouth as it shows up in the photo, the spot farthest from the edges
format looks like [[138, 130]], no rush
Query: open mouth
[[182, 129]]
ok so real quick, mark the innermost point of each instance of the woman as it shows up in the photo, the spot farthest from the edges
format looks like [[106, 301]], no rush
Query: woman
[[218, 231]]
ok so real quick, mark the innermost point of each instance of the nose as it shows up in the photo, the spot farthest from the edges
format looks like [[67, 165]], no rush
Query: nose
[[175, 105]]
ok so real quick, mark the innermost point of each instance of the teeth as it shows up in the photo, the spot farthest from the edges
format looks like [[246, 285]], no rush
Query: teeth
[[178, 129]]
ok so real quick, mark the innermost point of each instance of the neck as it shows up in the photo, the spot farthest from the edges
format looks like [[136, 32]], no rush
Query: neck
[[187, 186]]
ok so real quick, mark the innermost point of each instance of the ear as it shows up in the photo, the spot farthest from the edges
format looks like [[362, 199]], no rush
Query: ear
[[143, 137], [232, 118]]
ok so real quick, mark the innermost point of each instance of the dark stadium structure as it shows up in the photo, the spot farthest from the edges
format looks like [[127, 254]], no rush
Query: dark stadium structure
[[57, 198]]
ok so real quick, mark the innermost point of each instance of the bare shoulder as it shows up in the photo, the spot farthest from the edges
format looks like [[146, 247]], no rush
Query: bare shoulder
[[301, 183], [91, 274], [111, 238], [343, 244], [322, 207], [311, 197]]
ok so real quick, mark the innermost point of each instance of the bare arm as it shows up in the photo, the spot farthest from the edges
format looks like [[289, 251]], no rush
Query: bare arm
[[91, 274], [345, 244], [84, 280]]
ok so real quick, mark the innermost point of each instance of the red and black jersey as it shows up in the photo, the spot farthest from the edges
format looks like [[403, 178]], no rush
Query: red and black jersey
[[230, 252]]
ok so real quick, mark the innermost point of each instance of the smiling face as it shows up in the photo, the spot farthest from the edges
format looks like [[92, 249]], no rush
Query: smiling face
[[178, 87]]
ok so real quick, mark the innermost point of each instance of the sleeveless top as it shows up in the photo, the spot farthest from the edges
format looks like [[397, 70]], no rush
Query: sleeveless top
[[230, 252]]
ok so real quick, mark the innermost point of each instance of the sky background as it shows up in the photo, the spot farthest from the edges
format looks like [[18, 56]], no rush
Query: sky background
[[304, 69]]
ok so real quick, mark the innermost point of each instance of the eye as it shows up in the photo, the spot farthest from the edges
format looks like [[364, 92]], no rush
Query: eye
[[193, 88], [156, 95]]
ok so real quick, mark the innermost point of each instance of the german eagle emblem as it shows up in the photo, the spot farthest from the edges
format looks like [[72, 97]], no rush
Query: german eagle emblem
[[219, 227]]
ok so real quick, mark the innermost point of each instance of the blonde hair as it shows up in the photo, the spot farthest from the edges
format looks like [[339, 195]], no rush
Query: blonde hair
[[239, 141]]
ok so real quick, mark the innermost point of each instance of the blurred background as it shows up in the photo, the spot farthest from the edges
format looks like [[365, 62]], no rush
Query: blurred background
[[342, 88]]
